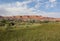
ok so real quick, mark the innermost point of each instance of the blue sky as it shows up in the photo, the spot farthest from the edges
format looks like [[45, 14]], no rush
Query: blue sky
[[49, 8]]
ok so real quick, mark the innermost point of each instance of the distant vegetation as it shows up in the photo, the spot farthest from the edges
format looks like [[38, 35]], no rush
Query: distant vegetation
[[3, 22], [30, 30]]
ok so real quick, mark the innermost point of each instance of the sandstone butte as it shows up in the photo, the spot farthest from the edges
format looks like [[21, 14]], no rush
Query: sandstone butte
[[34, 17]]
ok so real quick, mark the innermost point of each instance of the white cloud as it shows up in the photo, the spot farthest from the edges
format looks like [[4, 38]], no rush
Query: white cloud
[[21, 8], [51, 4], [52, 0], [54, 14], [38, 5], [17, 8]]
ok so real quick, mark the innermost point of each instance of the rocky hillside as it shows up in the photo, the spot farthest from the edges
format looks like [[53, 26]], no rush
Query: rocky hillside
[[27, 17]]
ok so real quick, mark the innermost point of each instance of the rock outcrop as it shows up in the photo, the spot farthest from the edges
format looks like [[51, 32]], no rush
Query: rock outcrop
[[27, 17]]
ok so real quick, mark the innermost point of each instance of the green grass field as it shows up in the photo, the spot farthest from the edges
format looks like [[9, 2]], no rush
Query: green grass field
[[32, 32]]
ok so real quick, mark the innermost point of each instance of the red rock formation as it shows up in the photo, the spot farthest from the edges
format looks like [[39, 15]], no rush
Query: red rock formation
[[26, 17]]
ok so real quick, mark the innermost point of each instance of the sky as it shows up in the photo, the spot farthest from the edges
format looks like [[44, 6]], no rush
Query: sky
[[50, 8]]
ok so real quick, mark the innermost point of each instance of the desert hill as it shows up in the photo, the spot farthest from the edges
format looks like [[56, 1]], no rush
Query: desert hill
[[27, 17]]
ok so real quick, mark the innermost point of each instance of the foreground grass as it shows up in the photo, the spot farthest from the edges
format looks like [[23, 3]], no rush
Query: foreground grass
[[33, 32]]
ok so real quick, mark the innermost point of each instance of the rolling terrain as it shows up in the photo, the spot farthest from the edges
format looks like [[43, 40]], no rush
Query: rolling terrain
[[31, 32], [37, 28], [31, 17]]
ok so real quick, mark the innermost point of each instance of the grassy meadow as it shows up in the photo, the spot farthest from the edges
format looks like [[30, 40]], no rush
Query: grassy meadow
[[31, 32]]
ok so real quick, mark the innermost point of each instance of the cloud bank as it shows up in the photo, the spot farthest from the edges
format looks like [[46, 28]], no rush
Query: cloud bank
[[28, 7]]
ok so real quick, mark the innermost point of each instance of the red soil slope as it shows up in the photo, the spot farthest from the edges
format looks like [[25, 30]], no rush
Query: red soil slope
[[35, 17]]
